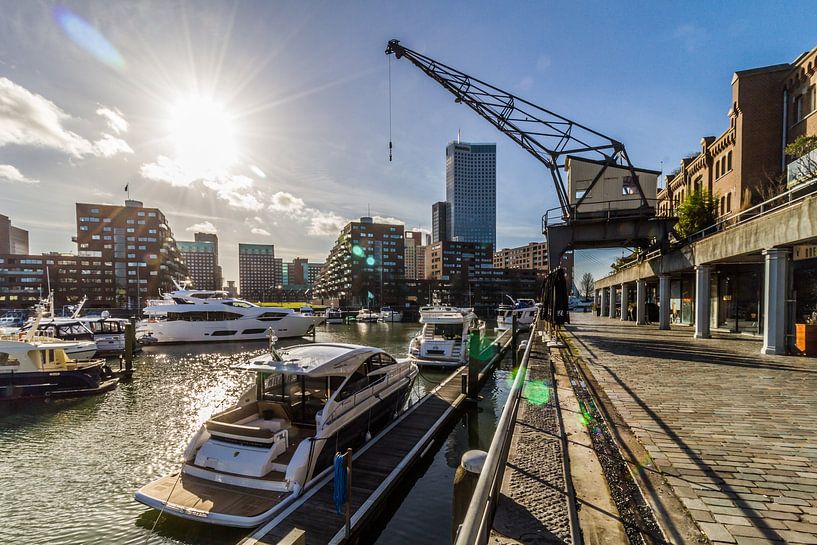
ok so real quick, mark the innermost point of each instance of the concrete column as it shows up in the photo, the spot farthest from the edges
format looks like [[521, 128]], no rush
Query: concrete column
[[702, 301], [775, 292], [605, 305], [663, 299], [624, 302], [612, 301], [641, 301]]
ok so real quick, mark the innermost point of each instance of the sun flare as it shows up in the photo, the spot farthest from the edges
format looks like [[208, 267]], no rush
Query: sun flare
[[203, 134]]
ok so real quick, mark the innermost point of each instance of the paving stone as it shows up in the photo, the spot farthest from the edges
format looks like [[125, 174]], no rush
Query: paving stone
[[728, 423]]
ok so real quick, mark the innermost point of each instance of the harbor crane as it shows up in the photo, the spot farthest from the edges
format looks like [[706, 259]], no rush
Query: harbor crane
[[607, 202]]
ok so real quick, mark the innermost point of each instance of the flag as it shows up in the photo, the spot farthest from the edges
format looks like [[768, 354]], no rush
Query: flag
[[371, 295], [126, 186]]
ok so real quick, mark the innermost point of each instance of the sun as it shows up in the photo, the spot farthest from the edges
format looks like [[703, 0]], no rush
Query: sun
[[203, 134]]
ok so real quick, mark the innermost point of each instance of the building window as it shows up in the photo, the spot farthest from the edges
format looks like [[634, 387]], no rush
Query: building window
[[717, 169], [729, 202], [728, 161]]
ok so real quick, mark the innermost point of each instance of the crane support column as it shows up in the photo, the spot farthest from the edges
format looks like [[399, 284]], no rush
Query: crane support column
[[624, 302], [641, 301]]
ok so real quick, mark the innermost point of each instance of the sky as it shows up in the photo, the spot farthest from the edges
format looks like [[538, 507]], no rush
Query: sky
[[268, 121]]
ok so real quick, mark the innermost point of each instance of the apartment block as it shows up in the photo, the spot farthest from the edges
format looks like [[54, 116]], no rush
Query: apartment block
[[200, 259]]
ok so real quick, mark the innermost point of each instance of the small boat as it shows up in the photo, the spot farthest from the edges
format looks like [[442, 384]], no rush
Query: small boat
[[443, 341], [109, 333], [82, 345], [333, 316], [525, 311], [248, 463], [388, 314], [32, 369], [367, 315], [309, 312]]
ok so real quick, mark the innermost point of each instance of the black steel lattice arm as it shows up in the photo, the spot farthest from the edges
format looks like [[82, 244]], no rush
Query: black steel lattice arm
[[546, 135]]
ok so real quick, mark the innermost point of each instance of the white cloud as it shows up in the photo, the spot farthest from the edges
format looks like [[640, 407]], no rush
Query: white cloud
[[259, 231], [10, 174], [325, 223], [388, 219], [287, 203], [116, 121], [29, 119], [167, 170], [235, 190], [203, 227], [257, 171], [109, 146]]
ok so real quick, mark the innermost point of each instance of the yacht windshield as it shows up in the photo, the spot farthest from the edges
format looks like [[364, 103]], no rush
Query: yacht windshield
[[303, 395], [449, 332]]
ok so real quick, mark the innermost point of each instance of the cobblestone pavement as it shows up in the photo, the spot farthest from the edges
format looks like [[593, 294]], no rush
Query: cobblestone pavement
[[735, 432], [533, 508]]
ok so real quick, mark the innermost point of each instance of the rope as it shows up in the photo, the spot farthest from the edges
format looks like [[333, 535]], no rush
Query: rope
[[162, 510], [340, 484]]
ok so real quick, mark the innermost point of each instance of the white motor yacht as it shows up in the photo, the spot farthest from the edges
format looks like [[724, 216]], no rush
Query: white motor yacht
[[443, 341], [333, 316], [388, 314], [247, 464], [78, 339], [525, 310], [109, 333], [198, 315], [367, 315]]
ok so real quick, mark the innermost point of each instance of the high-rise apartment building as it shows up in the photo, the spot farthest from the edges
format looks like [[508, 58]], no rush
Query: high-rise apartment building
[[13, 240], [364, 266], [136, 243], [200, 258], [415, 245], [441, 221], [533, 255], [218, 278], [470, 189], [257, 267]]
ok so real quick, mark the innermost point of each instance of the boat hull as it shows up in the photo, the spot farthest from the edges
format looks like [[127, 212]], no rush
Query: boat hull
[[91, 380], [243, 329]]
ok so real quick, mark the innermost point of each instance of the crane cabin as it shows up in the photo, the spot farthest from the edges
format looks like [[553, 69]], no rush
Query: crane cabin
[[615, 193]]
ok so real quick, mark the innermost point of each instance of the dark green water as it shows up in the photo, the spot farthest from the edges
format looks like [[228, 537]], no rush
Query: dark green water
[[68, 470]]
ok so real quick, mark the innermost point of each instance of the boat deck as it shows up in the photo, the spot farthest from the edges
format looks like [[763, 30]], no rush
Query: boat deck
[[376, 469], [200, 495]]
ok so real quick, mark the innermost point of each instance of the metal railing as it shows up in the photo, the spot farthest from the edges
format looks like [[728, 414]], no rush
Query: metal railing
[[597, 210], [478, 520]]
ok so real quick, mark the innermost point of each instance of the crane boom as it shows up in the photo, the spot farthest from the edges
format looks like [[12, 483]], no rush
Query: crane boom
[[546, 135]]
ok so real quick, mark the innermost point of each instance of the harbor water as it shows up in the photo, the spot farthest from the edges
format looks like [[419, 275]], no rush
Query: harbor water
[[69, 468]]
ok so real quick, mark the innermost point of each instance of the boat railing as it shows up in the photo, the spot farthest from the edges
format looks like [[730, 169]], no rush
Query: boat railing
[[478, 521]]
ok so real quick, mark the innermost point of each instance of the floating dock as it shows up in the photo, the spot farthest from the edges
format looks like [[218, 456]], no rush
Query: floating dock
[[377, 467]]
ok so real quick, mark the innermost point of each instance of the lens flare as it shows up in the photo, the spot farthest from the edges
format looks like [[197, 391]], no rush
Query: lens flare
[[84, 35], [370, 261], [357, 251], [537, 392]]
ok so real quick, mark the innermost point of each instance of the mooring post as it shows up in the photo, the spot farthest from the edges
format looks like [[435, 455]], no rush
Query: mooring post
[[513, 336], [130, 345], [473, 366], [348, 457], [465, 481]]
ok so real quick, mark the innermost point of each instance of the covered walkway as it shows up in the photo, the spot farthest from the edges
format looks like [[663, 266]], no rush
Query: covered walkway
[[733, 431]]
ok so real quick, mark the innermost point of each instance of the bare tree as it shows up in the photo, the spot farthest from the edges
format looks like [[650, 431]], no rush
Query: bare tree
[[586, 284]]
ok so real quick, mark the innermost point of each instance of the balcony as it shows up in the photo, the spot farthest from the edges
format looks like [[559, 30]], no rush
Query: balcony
[[802, 169]]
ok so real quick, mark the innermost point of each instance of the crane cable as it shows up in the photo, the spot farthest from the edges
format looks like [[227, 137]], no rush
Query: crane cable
[[390, 146]]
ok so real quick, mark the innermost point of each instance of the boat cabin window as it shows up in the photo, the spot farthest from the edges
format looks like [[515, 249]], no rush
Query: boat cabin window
[[357, 382], [7, 360], [304, 396], [239, 304], [271, 316], [217, 316], [72, 330], [449, 332], [378, 361]]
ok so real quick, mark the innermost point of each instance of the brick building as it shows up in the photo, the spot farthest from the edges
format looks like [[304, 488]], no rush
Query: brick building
[[533, 255], [259, 272], [416, 242], [200, 259], [133, 243]]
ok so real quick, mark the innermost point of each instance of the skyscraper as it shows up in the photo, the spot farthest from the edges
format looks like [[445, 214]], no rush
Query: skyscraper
[[218, 279], [200, 258], [470, 190], [441, 221]]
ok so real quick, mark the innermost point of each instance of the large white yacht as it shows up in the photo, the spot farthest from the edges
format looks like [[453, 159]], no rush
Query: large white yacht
[[202, 315], [443, 341], [248, 463], [525, 310]]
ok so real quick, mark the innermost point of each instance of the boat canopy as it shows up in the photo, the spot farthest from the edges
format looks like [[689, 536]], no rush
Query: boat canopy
[[445, 315], [314, 360]]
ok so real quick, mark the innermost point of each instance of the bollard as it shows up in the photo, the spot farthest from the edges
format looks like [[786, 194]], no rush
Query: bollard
[[465, 481], [130, 345], [473, 367]]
